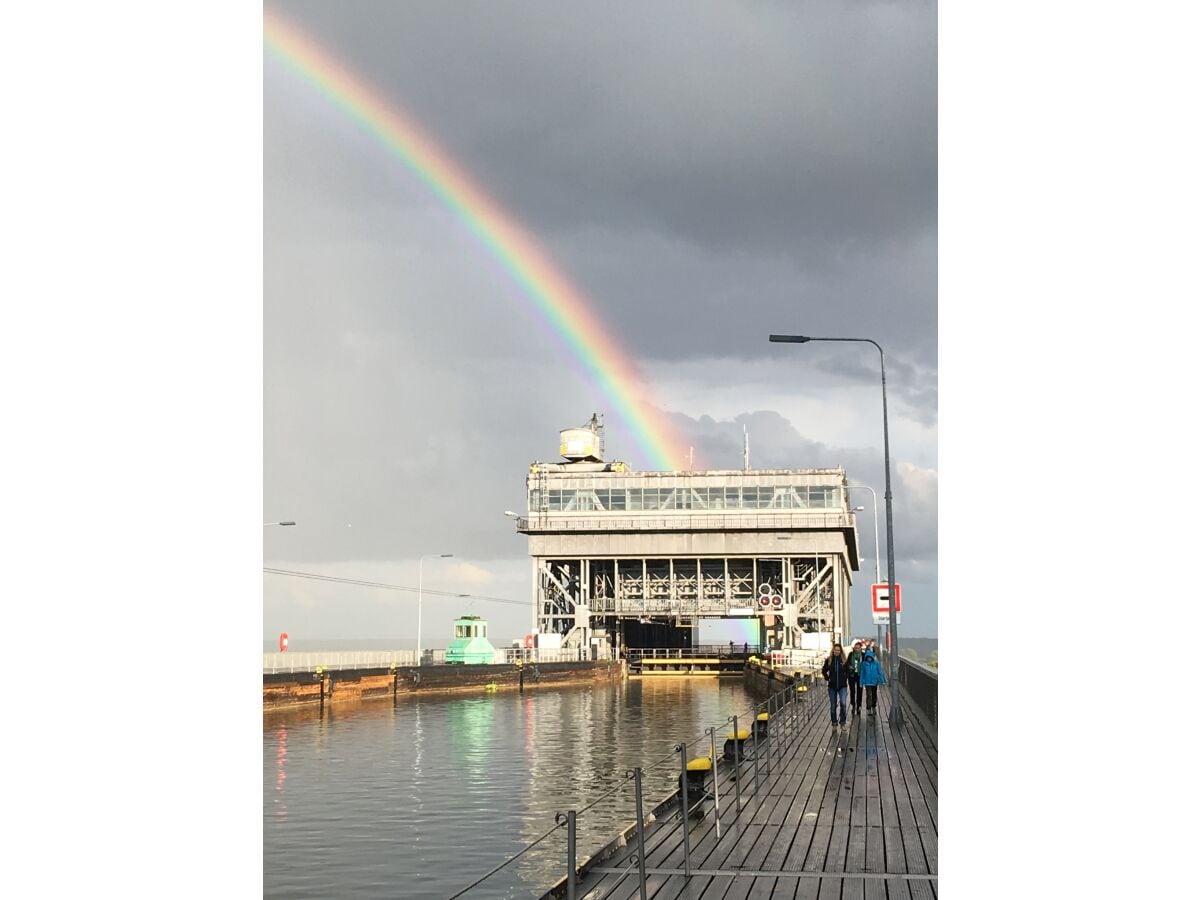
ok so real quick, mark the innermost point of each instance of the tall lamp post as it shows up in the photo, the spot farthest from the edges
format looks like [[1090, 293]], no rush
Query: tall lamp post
[[421, 592], [896, 717], [875, 519]]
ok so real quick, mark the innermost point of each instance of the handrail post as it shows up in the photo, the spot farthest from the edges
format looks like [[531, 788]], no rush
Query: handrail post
[[754, 738], [571, 854], [796, 714], [737, 768], [766, 739], [779, 741], [784, 726], [781, 706], [793, 703], [785, 732], [712, 734], [641, 833], [684, 809], [774, 736]]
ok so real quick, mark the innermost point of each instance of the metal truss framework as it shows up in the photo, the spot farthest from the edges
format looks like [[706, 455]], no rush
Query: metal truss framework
[[792, 594]]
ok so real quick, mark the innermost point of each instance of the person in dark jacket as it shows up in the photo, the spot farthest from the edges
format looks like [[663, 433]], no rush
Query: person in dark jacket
[[870, 675], [836, 673], [854, 660]]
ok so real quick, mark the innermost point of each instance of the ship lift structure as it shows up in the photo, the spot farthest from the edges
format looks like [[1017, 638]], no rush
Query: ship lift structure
[[624, 559]]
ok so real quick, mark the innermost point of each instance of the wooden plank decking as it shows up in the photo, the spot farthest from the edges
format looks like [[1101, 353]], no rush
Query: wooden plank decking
[[861, 799]]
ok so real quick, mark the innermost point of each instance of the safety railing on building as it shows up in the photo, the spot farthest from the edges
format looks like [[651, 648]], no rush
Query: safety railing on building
[[512, 655], [722, 774], [685, 521], [704, 650]]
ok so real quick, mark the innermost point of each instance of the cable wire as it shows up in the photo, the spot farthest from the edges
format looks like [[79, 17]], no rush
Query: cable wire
[[527, 848], [393, 587]]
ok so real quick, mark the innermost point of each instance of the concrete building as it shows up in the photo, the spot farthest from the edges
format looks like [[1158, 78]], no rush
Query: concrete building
[[639, 559]]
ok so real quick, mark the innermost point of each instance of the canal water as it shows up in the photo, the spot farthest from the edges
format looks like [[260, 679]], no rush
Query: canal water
[[421, 797]]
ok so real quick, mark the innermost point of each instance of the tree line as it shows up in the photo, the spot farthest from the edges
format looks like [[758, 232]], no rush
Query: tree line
[[910, 653]]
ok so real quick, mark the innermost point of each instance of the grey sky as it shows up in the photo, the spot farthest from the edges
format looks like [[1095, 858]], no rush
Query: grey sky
[[705, 173]]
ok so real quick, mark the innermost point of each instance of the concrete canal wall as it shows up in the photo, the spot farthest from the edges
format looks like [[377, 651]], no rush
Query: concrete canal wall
[[767, 680], [282, 690]]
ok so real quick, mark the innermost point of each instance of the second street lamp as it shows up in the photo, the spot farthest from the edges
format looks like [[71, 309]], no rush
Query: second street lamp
[[896, 717], [875, 521], [421, 592], [874, 518]]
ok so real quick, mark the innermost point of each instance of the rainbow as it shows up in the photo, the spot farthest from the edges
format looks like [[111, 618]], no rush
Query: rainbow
[[549, 292]]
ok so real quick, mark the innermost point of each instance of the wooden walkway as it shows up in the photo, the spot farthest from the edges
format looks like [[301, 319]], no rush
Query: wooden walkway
[[858, 799]]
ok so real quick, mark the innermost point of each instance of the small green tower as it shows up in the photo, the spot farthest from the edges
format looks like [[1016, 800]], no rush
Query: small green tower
[[470, 644]]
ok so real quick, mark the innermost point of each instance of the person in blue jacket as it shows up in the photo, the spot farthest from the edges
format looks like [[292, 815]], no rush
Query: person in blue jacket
[[870, 676], [836, 672]]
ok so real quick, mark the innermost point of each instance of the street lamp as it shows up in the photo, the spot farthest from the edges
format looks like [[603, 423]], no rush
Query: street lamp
[[421, 592], [897, 717], [863, 559], [875, 519], [265, 524]]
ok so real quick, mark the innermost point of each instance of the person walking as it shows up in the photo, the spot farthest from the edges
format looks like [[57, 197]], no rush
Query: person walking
[[853, 661], [836, 674], [870, 675]]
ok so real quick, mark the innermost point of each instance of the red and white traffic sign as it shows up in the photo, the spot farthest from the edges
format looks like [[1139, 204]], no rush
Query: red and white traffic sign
[[879, 604], [879, 598]]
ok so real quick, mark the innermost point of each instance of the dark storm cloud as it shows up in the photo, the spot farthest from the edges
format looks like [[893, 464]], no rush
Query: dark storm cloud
[[915, 386], [763, 164], [721, 121]]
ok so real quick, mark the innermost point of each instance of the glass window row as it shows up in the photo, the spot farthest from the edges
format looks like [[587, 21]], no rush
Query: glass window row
[[658, 499]]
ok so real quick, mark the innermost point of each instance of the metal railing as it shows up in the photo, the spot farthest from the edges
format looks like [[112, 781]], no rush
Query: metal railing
[[294, 661], [695, 520], [806, 660], [921, 684], [513, 655], [333, 660], [737, 784], [704, 650]]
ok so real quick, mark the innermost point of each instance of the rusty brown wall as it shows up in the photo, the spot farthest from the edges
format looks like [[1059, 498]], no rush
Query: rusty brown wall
[[303, 688]]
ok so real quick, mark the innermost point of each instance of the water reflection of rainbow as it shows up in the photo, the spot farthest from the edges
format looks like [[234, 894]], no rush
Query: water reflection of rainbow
[[548, 291]]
